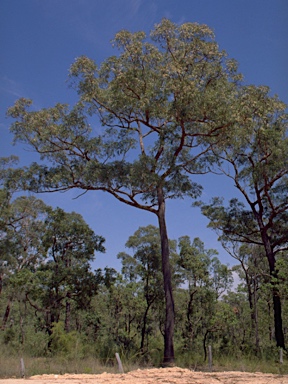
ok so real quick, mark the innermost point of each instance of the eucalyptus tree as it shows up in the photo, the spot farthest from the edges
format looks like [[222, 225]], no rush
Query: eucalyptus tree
[[65, 277], [206, 279], [256, 159], [157, 100], [144, 266], [21, 247], [254, 271]]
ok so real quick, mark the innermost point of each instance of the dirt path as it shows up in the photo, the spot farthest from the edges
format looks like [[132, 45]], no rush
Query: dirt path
[[156, 376]]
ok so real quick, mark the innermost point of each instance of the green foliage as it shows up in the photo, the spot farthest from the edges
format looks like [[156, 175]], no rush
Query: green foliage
[[21, 226], [63, 343], [124, 313], [44, 268]]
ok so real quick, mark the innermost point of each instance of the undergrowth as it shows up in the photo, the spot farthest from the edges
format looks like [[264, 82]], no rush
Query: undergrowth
[[10, 365]]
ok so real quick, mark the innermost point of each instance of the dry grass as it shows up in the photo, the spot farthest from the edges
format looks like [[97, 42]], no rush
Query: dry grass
[[10, 366], [250, 364]]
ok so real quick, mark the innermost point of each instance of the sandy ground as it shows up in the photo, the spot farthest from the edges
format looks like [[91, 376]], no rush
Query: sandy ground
[[168, 376]]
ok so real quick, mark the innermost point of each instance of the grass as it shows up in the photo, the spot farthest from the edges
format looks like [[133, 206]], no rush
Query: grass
[[251, 364], [243, 364], [10, 365]]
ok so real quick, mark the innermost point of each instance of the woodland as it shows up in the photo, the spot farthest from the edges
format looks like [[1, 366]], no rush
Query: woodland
[[170, 106]]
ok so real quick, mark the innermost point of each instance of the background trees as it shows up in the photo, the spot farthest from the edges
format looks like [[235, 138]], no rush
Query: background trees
[[45, 263], [58, 306]]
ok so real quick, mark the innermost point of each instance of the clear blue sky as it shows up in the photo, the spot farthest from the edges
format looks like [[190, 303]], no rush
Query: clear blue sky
[[41, 38]]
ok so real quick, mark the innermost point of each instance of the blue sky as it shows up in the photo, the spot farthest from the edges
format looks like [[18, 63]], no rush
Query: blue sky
[[40, 39]]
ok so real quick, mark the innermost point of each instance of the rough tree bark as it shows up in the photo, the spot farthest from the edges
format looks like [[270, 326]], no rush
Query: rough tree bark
[[169, 300]]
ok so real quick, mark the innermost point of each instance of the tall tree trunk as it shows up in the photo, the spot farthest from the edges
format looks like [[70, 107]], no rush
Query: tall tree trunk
[[166, 270], [279, 335]]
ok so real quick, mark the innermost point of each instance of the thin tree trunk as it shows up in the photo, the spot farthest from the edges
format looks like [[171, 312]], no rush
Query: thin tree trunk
[[250, 299], [22, 330], [257, 341], [189, 315], [166, 270], [67, 315], [7, 313], [279, 335], [278, 326], [143, 331], [204, 344], [1, 284]]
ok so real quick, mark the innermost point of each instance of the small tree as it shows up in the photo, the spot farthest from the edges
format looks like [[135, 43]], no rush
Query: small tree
[[206, 279], [66, 275], [254, 271], [145, 266], [21, 248]]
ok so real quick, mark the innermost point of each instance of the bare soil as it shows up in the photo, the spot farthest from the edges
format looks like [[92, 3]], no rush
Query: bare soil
[[156, 376]]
